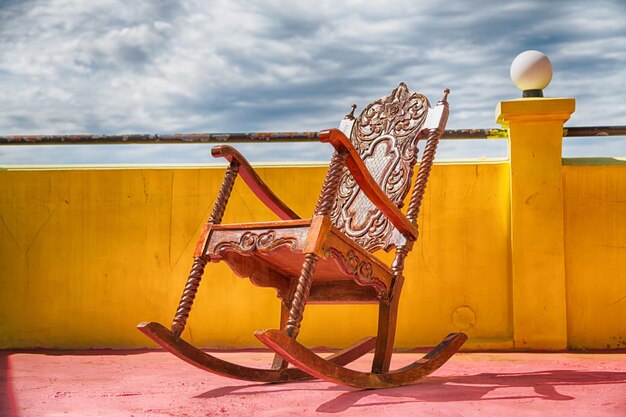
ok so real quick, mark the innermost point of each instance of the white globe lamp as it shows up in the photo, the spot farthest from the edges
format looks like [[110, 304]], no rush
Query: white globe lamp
[[531, 72]]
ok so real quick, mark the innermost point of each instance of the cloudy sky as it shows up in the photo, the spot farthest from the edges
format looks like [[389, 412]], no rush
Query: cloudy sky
[[165, 66]]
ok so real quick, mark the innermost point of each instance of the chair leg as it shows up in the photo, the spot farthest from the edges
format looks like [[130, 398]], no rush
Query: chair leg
[[301, 295], [199, 262], [279, 362], [189, 295], [387, 319]]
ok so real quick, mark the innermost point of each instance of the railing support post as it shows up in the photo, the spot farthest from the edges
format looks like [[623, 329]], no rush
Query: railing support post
[[535, 128]]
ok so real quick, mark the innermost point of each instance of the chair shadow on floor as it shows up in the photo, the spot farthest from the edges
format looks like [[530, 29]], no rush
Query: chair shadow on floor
[[544, 385], [476, 388]]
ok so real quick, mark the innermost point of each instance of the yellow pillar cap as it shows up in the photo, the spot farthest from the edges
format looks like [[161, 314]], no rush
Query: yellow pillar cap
[[534, 109]]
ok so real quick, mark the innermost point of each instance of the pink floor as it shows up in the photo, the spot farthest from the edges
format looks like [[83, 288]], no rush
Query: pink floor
[[96, 383]]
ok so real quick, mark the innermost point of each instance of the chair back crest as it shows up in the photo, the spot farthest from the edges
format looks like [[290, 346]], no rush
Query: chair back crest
[[385, 135]]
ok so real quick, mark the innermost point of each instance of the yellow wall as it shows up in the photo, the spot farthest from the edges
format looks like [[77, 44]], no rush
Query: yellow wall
[[86, 254], [595, 254]]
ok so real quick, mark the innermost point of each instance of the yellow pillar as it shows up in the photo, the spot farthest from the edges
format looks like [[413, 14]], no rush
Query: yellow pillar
[[535, 128]]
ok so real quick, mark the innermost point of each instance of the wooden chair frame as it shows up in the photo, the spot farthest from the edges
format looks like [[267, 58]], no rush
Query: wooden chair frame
[[332, 262]]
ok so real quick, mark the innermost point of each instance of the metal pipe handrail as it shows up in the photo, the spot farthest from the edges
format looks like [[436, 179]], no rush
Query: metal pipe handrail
[[257, 137]]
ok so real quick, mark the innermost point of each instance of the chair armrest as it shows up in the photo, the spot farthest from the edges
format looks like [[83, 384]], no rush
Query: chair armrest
[[256, 184], [367, 183]]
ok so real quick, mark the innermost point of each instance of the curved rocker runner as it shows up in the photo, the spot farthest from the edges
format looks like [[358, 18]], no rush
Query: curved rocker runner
[[324, 369], [357, 213], [180, 348]]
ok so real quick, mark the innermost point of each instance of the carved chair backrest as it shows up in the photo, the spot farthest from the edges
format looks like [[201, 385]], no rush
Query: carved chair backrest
[[385, 135]]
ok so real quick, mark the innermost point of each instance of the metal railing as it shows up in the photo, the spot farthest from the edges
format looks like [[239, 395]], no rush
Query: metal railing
[[260, 137]]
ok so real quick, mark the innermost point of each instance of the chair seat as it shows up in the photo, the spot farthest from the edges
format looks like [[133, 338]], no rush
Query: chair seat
[[271, 255]]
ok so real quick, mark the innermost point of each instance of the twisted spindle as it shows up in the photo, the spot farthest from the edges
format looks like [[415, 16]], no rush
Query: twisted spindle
[[224, 193], [422, 175], [199, 262], [189, 295], [301, 295], [323, 208], [427, 161], [331, 183]]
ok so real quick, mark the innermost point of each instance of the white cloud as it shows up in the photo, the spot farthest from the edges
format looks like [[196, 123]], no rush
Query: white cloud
[[163, 66]]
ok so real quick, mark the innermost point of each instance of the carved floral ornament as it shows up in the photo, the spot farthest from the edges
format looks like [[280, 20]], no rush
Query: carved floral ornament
[[262, 242], [399, 114], [359, 269], [385, 135]]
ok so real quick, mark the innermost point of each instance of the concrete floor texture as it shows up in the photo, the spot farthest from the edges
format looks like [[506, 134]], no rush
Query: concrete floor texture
[[156, 384]]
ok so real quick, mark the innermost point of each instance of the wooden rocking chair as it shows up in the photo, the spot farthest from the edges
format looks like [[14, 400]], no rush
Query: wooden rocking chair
[[328, 258]]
